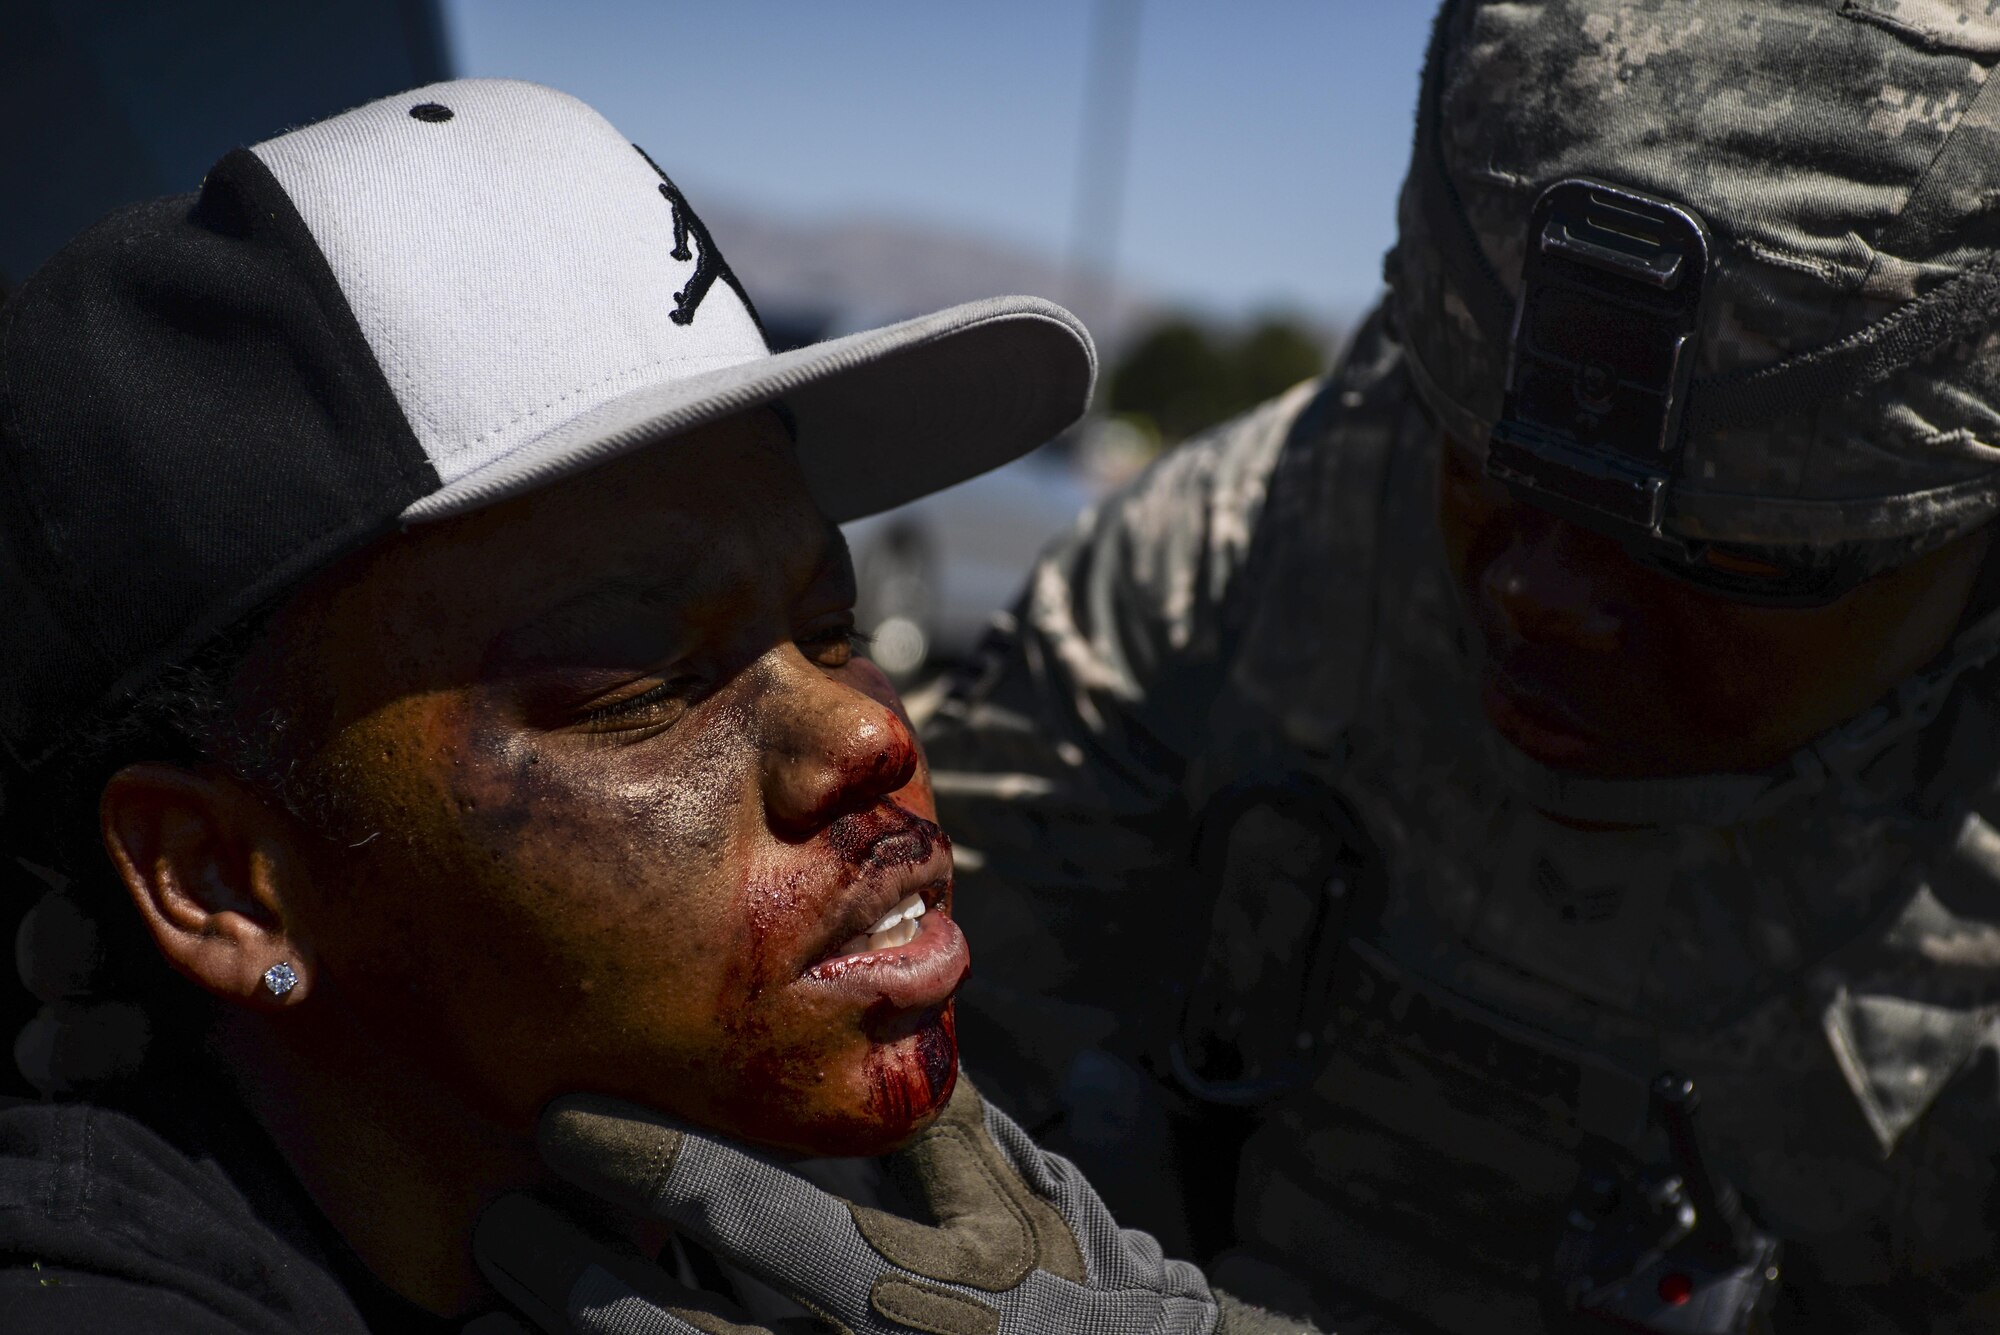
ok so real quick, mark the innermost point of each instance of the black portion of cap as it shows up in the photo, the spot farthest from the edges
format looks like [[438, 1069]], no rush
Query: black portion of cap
[[191, 423]]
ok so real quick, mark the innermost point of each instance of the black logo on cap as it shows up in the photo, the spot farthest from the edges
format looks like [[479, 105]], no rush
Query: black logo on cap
[[709, 264]]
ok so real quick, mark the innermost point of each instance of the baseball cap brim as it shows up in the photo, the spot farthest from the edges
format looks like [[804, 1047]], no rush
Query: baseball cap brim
[[884, 416]]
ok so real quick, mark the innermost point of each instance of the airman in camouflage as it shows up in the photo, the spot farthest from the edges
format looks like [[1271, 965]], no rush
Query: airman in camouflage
[[1395, 821]]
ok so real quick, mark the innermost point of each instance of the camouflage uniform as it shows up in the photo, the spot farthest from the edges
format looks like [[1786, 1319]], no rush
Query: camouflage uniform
[[1241, 696]]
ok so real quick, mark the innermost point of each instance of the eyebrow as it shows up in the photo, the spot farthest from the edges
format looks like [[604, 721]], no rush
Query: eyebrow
[[553, 631], [620, 593]]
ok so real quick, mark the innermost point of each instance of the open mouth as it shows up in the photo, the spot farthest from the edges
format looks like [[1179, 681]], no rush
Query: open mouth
[[890, 945], [897, 897], [898, 927], [910, 957]]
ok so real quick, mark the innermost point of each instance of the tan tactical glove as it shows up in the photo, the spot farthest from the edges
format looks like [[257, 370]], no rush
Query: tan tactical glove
[[1012, 1241]]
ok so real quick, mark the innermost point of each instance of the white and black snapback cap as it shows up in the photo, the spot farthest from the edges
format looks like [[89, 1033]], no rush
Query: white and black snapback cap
[[404, 313]]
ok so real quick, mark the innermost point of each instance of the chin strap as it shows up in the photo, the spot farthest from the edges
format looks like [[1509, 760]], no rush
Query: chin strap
[[1838, 759]]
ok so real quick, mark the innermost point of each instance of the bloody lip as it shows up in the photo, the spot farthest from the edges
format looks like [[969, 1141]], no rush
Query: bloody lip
[[877, 887], [923, 973], [905, 858]]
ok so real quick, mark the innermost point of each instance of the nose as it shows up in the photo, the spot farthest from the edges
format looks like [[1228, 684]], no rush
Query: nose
[[1552, 584], [828, 748]]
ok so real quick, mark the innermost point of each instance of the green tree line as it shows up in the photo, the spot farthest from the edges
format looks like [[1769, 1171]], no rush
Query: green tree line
[[1181, 376]]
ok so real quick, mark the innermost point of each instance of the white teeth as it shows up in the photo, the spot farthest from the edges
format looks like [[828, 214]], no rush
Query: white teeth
[[901, 934], [898, 927], [911, 907]]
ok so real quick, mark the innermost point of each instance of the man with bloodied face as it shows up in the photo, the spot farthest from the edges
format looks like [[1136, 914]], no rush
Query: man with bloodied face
[[473, 847]]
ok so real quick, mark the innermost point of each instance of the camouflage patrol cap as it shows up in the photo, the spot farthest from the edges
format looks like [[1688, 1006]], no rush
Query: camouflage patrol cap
[[1845, 155]]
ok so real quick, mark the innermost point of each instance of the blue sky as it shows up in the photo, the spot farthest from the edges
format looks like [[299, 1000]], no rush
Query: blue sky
[[1268, 136]]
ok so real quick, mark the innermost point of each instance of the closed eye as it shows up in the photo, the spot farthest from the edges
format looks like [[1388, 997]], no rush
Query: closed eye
[[670, 697], [836, 646]]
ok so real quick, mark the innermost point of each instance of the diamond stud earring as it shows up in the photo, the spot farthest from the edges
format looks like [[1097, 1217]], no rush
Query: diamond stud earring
[[280, 978]]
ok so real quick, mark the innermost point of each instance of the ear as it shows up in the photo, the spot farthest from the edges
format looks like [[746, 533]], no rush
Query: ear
[[208, 865]]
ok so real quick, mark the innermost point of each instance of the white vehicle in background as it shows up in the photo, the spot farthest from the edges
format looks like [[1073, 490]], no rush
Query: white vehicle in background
[[932, 573]]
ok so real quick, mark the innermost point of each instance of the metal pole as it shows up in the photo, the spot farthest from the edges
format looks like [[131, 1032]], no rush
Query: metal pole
[[1105, 141]]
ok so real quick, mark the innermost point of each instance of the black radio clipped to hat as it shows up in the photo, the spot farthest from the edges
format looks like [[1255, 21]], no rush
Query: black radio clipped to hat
[[1603, 351]]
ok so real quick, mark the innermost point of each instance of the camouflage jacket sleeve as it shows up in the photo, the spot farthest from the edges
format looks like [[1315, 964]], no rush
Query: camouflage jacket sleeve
[[1058, 759]]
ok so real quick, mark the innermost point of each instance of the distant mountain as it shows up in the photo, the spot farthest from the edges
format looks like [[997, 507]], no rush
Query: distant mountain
[[812, 279]]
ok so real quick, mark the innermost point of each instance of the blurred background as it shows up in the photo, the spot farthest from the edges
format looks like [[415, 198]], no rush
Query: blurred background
[[1210, 186]]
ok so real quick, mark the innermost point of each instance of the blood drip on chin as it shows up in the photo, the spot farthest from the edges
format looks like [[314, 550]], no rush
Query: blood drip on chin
[[908, 1085], [937, 1052]]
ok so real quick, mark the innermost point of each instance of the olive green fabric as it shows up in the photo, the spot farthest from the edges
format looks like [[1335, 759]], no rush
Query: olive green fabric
[[991, 1229], [1845, 155], [1241, 1318], [932, 1309], [625, 1160]]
